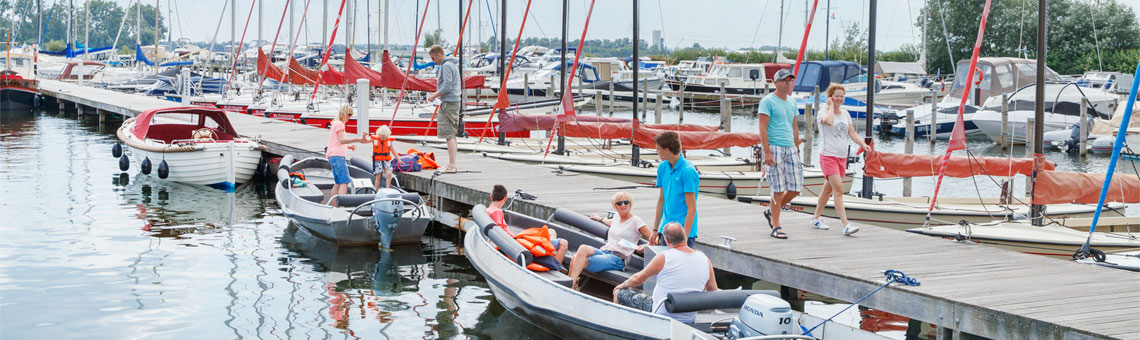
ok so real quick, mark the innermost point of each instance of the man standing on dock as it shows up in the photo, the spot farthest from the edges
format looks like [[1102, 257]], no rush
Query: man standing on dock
[[447, 90], [780, 141], [679, 183]]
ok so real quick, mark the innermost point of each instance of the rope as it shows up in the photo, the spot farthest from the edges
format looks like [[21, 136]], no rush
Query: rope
[[273, 47], [458, 46], [328, 50], [504, 101], [890, 275], [233, 70], [412, 62]]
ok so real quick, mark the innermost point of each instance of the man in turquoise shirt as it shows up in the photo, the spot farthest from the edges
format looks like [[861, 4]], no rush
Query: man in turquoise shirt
[[780, 140], [679, 183]]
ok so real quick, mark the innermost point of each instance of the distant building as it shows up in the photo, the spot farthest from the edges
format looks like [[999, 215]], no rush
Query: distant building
[[657, 42]]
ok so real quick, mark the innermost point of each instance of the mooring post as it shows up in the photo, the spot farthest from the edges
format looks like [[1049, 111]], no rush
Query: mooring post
[[1030, 124], [102, 115], [612, 99], [909, 148], [726, 116], [550, 89], [933, 132], [1005, 136], [1084, 127], [598, 103], [644, 98], [657, 109], [526, 87], [362, 106], [809, 130], [792, 296], [681, 108]]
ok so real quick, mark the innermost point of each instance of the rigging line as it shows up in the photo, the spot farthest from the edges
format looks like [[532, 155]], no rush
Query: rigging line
[[216, 29], [1020, 30], [293, 46], [233, 69], [273, 48], [412, 62], [755, 33], [1092, 16], [328, 51], [504, 101], [946, 37], [536, 22]]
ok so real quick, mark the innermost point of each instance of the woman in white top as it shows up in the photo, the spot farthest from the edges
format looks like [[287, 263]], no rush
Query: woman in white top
[[621, 241], [834, 129]]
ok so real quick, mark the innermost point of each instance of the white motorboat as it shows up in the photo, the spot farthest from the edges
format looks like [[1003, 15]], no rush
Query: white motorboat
[[192, 145], [353, 220], [1062, 110]]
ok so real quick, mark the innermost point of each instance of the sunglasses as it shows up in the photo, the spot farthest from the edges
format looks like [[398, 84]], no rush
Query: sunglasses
[[619, 203]]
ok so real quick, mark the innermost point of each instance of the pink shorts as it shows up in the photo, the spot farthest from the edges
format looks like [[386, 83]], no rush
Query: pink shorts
[[833, 165]]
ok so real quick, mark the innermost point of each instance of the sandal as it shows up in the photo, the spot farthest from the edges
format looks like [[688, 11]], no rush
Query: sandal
[[778, 233], [450, 170], [768, 216]]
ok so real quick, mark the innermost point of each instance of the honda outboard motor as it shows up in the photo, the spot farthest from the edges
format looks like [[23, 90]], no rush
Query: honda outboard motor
[[386, 214], [763, 315]]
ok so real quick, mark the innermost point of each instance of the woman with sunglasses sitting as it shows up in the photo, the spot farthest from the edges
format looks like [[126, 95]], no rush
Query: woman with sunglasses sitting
[[621, 241]]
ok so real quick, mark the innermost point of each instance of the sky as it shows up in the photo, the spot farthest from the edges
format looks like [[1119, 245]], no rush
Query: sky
[[730, 24]]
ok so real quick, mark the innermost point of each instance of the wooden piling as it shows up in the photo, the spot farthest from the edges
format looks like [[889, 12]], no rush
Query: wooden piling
[[932, 134], [908, 148], [1029, 128], [526, 87], [1084, 127], [1006, 138], [657, 109], [644, 98], [598, 103], [611, 98]]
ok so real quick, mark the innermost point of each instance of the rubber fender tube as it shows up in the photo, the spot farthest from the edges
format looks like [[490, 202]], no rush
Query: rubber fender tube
[[509, 246], [163, 169], [145, 166], [582, 222], [286, 162], [361, 163], [124, 163], [116, 150], [721, 299], [411, 196]]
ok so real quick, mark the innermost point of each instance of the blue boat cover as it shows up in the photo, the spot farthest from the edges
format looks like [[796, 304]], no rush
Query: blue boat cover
[[72, 53], [140, 56]]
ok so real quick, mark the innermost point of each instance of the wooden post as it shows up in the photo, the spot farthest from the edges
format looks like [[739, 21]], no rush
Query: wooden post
[[1006, 139], [1084, 127], [526, 87], [550, 89], [909, 148], [657, 109], [1029, 126], [102, 115], [932, 134], [612, 100], [809, 131], [598, 103], [726, 116], [643, 101], [681, 97]]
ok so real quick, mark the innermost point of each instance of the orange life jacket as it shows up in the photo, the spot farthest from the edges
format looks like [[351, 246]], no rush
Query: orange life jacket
[[537, 241], [427, 159], [382, 149]]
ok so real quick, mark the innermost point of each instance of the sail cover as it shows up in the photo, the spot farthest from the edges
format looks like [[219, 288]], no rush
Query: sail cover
[[392, 77], [891, 165], [693, 137], [1077, 187]]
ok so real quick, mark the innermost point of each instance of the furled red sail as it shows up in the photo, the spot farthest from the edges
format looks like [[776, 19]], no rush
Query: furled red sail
[[513, 122], [891, 165], [392, 77], [1077, 187], [354, 70], [300, 75], [265, 68], [693, 137]]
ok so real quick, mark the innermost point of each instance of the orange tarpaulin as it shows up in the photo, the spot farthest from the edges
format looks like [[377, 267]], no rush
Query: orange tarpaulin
[[693, 137], [1076, 187], [891, 165]]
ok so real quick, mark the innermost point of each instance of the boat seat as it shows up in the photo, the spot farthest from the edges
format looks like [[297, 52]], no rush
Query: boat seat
[[323, 185], [312, 198], [353, 200], [556, 277], [613, 277], [307, 190]]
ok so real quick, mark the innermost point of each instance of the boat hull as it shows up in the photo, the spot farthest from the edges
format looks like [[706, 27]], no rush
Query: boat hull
[[209, 166], [17, 98], [1054, 241]]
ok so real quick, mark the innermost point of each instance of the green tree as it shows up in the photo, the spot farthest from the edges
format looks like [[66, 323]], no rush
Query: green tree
[[1012, 32], [106, 16], [435, 38]]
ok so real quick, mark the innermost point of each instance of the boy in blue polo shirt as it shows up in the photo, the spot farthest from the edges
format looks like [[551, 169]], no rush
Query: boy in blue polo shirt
[[679, 183]]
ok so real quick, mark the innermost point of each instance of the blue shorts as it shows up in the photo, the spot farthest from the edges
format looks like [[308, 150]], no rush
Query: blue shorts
[[555, 243], [339, 170], [603, 260]]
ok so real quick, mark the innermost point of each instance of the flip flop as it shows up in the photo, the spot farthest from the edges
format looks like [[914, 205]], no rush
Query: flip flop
[[450, 170], [777, 232]]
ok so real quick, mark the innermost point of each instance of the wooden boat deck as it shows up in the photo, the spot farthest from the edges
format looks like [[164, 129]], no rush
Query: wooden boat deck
[[978, 290]]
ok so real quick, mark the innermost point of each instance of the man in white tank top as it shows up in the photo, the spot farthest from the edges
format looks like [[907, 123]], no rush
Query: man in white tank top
[[679, 269]]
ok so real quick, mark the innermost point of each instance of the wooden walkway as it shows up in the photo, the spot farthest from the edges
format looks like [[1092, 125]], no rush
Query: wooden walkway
[[979, 290]]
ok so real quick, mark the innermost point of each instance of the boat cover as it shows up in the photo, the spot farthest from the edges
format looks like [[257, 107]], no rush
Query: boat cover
[[143, 121], [140, 56], [69, 52], [693, 137], [891, 165], [512, 122], [392, 77], [298, 74], [1054, 187]]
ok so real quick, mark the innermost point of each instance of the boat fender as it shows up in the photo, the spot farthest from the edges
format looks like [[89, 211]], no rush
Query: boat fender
[[285, 162], [124, 179], [124, 163], [730, 191], [116, 150], [720, 299], [365, 164], [570, 218], [145, 166], [163, 169]]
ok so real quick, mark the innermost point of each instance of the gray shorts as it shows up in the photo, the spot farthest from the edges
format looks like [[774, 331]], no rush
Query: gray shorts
[[379, 167], [788, 173], [448, 118]]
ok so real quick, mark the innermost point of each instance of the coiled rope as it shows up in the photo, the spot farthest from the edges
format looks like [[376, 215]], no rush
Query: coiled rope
[[891, 276]]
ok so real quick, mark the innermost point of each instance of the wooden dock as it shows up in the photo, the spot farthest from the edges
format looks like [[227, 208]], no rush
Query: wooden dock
[[971, 289]]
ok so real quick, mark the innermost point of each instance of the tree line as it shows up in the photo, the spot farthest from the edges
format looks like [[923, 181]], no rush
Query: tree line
[[22, 17]]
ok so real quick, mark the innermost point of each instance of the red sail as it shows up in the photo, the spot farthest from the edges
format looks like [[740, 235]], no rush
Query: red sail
[[354, 70], [512, 122], [1076, 187], [693, 137], [300, 75], [391, 76], [266, 69], [891, 165]]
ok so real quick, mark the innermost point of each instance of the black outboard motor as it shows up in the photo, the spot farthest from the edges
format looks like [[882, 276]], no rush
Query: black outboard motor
[[1074, 141]]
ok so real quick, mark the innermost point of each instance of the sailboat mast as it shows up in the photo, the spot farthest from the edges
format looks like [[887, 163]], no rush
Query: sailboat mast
[[70, 13], [827, 33], [385, 47], [503, 56], [260, 7], [779, 38], [562, 85], [1039, 105], [325, 24], [292, 27], [869, 182], [636, 157], [157, 15]]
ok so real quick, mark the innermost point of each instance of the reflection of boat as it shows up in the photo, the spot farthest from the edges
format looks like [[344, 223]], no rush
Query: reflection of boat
[[192, 145], [360, 267], [1022, 236], [350, 223], [546, 299]]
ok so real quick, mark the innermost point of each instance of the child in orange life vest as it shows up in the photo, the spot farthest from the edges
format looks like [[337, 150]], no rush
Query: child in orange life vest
[[382, 156], [495, 211]]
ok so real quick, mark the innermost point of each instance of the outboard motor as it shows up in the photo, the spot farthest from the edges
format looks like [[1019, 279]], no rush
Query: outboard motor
[[1074, 142], [386, 214], [762, 315]]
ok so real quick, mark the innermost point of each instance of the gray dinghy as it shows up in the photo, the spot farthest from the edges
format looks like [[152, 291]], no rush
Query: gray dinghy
[[350, 223]]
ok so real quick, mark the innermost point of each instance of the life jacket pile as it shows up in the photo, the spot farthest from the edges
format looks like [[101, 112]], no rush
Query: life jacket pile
[[537, 241], [427, 159]]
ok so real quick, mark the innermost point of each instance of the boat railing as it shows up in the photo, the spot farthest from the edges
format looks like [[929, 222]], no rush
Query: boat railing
[[418, 212]]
